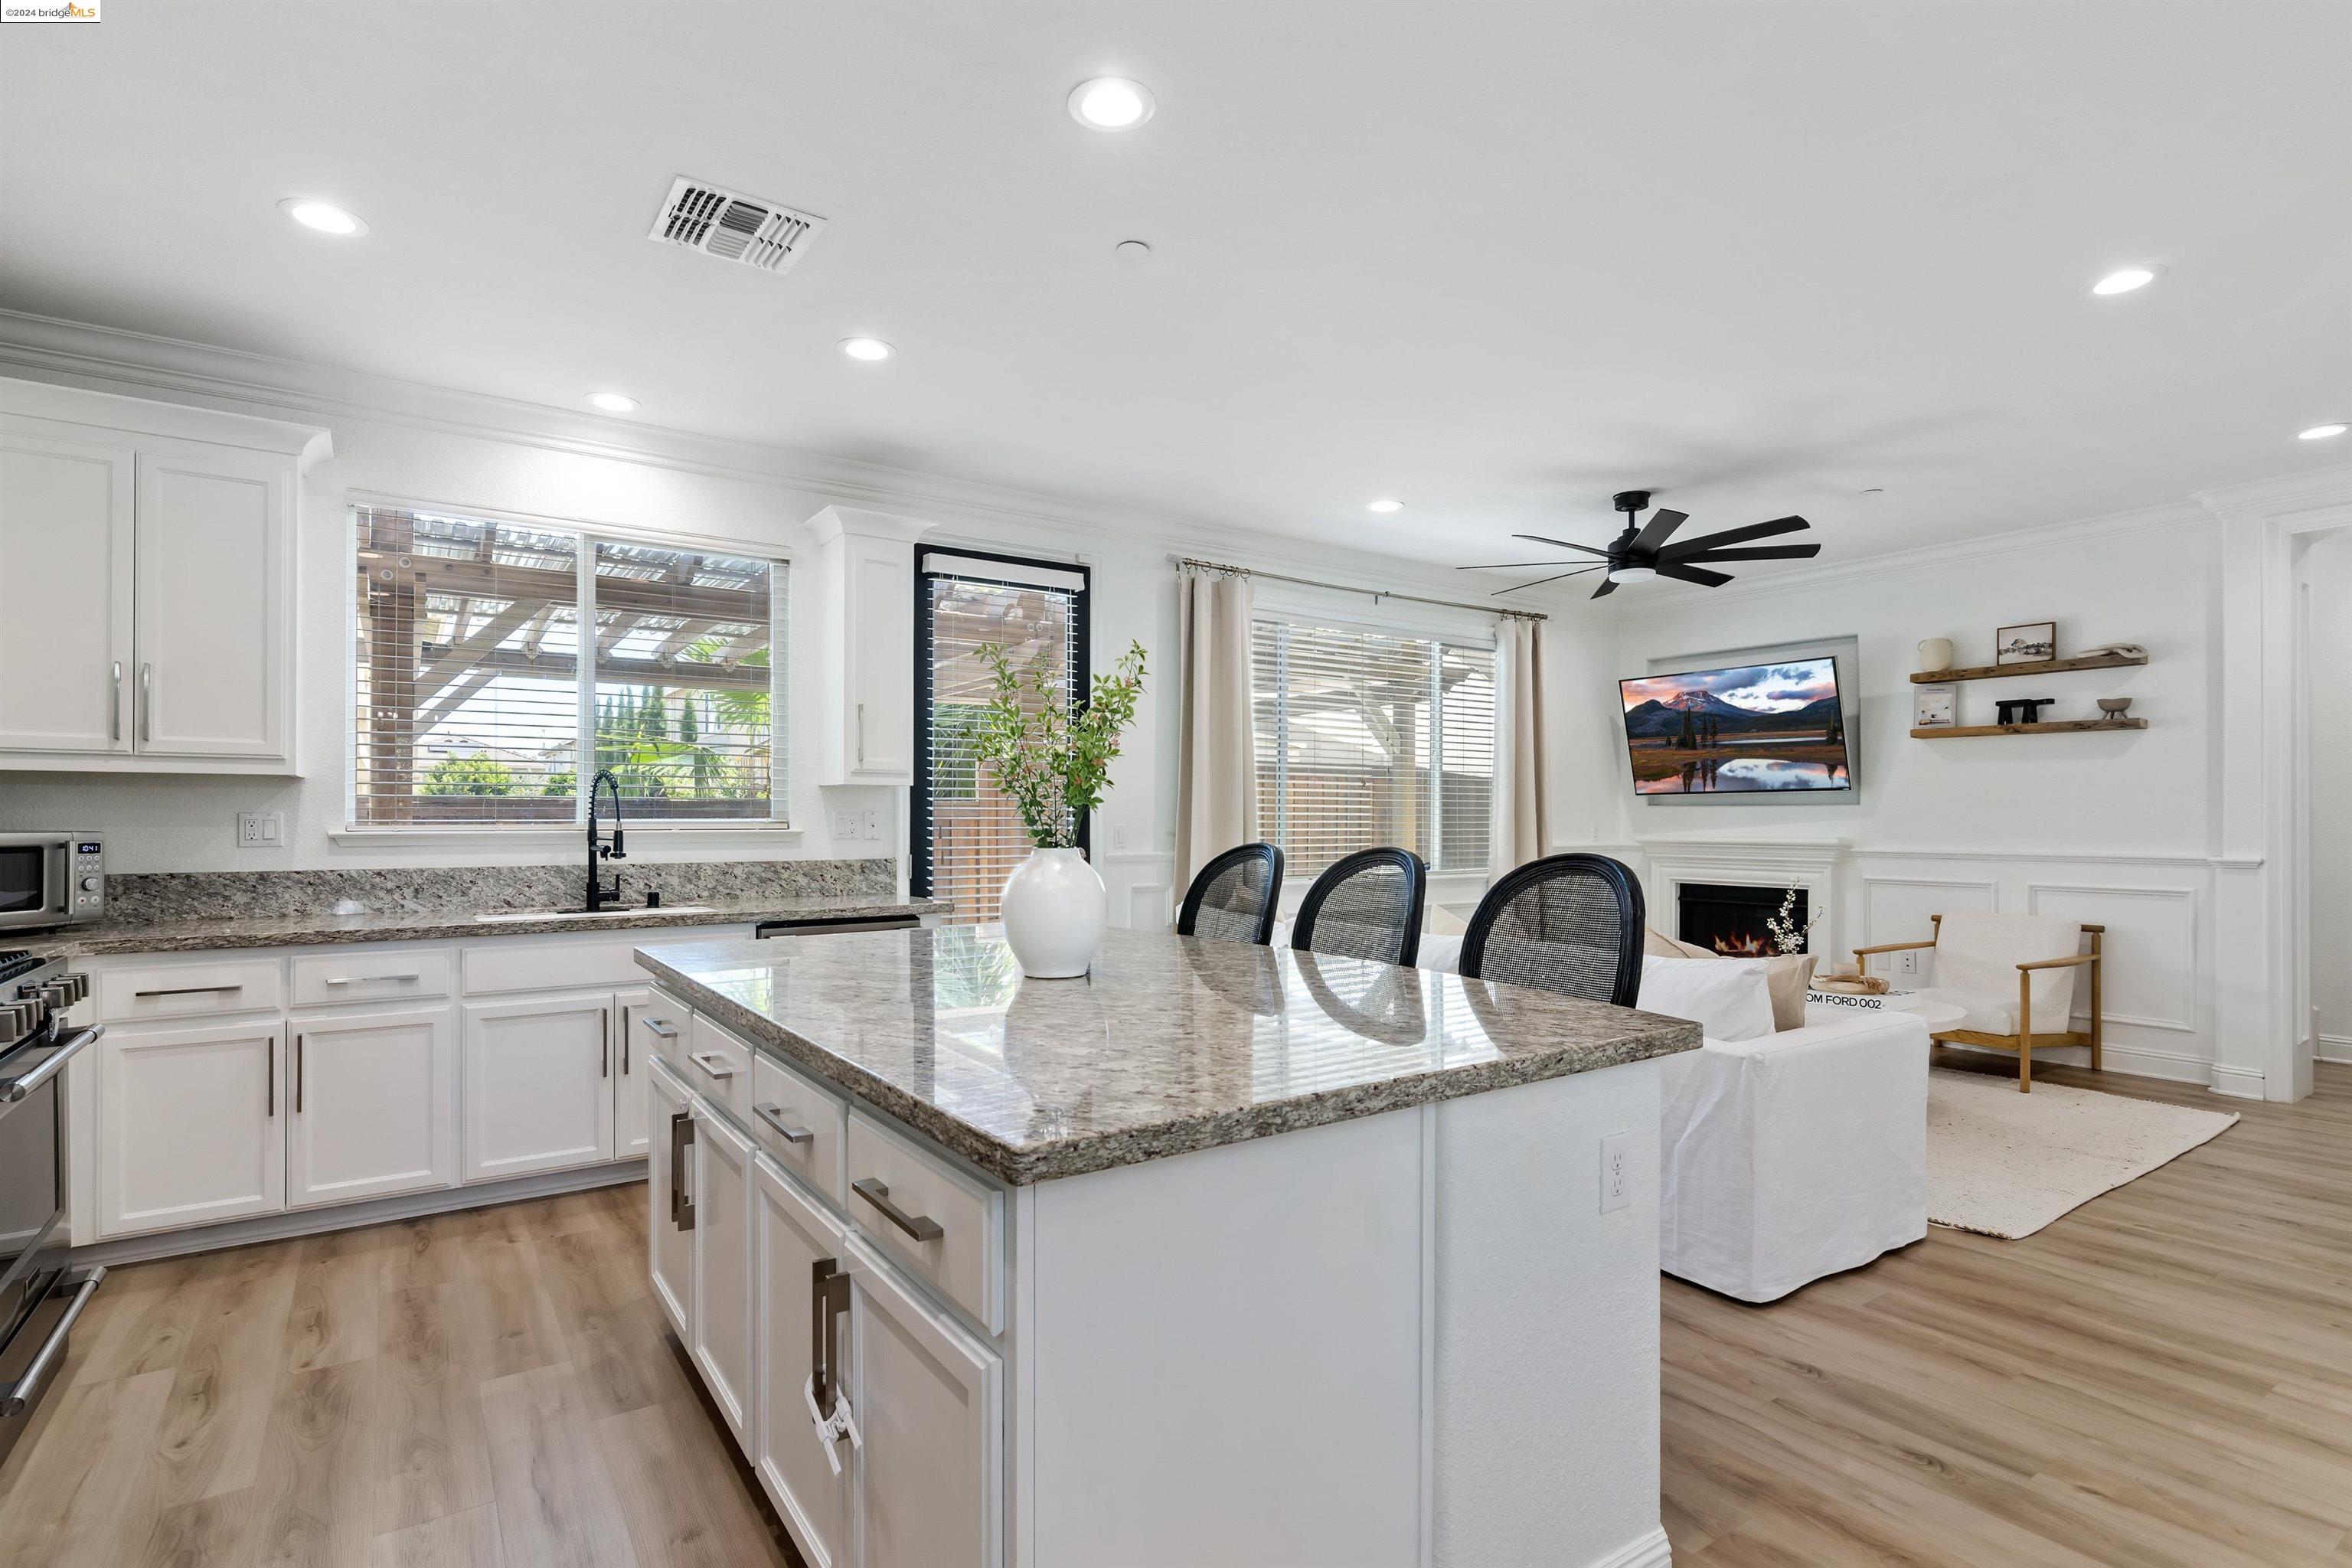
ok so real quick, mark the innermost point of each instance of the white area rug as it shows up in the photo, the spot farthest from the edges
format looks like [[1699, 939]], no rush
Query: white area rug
[[2005, 1164]]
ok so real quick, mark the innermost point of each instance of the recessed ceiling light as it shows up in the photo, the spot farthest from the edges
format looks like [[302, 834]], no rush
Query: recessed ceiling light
[[2124, 279], [2322, 432], [873, 351], [1384, 504], [1110, 103], [613, 402], [324, 217]]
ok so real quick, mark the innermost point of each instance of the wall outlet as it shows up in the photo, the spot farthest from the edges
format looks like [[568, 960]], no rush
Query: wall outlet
[[845, 824], [1908, 963], [1616, 1177], [261, 830], [873, 822]]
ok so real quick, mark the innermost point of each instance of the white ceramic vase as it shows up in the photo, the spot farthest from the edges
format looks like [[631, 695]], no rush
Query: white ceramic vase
[[1935, 654], [1054, 908]]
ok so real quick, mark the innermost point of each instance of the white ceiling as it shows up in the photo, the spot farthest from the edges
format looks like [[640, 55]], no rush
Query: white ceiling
[[1498, 260]]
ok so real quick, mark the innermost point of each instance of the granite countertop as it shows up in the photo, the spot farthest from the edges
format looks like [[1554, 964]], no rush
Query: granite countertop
[[207, 933], [1172, 1043]]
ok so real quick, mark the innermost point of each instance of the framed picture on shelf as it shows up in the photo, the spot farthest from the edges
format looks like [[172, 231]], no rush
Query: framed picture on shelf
[[1935, 706], [2028, 644]]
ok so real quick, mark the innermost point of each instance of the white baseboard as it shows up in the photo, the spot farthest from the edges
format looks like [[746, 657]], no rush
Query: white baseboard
[[1649, 1552], [2335, 1048], [2139, 1061], [2238, 1083], [350, 1216]]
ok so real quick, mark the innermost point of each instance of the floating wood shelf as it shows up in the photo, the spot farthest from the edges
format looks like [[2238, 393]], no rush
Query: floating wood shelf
[[2039, 667], [2049, 727]]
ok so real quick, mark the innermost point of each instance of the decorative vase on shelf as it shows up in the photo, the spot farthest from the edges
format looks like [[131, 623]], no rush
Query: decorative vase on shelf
[[1935, 654], [1055, 909]]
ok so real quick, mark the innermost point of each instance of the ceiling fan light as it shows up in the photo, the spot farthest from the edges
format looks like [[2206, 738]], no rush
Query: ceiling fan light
[[1633, 574]]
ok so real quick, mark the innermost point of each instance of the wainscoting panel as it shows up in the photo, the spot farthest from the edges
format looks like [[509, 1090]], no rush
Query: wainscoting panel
[[2151, 953], [1902, 909]]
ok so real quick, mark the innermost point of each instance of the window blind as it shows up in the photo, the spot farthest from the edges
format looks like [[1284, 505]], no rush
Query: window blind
[[969, 835], [1363, 739], [469, 701]]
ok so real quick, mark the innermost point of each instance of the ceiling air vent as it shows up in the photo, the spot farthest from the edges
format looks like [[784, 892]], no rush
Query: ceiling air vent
[[733, 227]]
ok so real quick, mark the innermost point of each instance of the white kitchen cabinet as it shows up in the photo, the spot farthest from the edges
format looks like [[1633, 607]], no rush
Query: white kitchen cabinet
[[373, 1105], [791, 1235], [669, 1191], [190, 1129], [928, 1480], [539, 1085], [65, 608], [637, 1043], [724, 1308], [161, 540], [865, 586]]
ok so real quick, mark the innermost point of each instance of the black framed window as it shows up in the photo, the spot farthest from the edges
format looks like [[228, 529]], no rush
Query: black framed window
[[967, 838]]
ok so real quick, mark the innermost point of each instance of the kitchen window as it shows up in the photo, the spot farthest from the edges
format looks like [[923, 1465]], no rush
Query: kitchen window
[[1364, 738], [472, 703]]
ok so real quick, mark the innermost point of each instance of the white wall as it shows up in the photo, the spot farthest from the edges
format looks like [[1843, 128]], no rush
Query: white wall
[[2112, 828], [2327, 573]]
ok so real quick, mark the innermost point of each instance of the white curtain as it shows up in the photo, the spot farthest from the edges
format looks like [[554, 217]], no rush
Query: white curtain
[[1520, 831], [1216, 767]]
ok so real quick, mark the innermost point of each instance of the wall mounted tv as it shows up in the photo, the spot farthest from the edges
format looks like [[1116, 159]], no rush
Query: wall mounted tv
[[1768, 727]]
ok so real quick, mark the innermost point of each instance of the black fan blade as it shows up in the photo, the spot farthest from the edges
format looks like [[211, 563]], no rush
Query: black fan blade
[[1741, 535], [1605, 589], [1683, 573], [1763, 552], [1542, 581], [1563, 543], [1660, 527]]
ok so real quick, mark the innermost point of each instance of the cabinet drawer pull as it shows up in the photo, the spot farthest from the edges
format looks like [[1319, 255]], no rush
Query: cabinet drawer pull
[[663, 1028], [773, 1115], [369, 979], [188, 991], [921, 1226], [712, 1063]]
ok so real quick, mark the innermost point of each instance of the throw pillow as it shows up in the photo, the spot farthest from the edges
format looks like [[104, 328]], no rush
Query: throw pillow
[[1656, 944], [1787, 977], [1729, 998]]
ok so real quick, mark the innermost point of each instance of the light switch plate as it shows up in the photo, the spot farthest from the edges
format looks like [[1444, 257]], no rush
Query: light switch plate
[[1616, 1178], [845, 824], [261, 830]]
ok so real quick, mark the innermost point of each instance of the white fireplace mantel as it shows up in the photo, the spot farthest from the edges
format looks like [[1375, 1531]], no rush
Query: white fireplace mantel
[[1812, 864]]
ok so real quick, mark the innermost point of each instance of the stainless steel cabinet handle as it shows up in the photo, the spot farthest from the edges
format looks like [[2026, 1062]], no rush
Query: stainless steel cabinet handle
[[712, 1063], [604, 1042], [298, 1075], [114, 706], [662, 1027], [627, 1024], [269, 1084], [369, 979], [921, 1226], [861, 734], [146, 701], [13, 1089], [773, 1115], [188, 991], [17, 1396], [681, 1199]]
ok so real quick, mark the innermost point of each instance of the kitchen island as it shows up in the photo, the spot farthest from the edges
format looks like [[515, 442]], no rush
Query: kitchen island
[[1222, 1255]]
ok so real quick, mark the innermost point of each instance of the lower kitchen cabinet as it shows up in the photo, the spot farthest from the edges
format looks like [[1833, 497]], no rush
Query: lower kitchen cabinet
[[373, 1105], [539, 1085], [189, 1127], [634, 1041], [928, 1399], [791, 1235], [724, 1301], [670, 1189]]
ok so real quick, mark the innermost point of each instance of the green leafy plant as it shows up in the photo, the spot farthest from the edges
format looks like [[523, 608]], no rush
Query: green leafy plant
[[1053, 762], [478, 774]]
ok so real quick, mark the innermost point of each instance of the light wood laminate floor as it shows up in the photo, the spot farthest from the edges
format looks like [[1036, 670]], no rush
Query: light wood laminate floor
[[2162, 1379]]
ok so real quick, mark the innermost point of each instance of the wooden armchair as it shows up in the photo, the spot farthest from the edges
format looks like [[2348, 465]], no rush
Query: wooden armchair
[[1976, 954]]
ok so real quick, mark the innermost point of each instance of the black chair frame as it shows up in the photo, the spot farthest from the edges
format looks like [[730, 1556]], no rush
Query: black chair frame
[[1631, 915], [1189, 915], [1416, 892]]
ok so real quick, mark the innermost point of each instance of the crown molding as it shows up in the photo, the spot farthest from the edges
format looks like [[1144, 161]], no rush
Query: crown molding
[[2320, 489]]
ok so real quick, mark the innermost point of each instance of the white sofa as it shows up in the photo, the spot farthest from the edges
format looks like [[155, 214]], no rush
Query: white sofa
[[1795, 1155]]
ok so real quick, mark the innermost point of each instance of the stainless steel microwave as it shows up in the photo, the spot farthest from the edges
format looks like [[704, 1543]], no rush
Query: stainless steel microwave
[[51, 879]]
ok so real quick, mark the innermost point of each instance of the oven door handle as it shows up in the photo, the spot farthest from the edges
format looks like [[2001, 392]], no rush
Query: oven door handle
[[15, 1397], [13, 1089]]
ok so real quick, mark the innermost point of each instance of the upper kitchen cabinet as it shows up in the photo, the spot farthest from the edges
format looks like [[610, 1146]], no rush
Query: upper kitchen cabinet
[[864, 577], [147, 558]]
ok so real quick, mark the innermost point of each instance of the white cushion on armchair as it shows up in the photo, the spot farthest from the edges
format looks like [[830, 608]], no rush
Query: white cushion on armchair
[[1975, 970], [1794, 1157]]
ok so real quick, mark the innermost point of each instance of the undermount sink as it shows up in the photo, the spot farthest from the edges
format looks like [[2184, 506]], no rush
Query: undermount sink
[[577, 912]]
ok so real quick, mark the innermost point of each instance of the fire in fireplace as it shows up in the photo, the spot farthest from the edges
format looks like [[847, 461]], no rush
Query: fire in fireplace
[[1732, 918]]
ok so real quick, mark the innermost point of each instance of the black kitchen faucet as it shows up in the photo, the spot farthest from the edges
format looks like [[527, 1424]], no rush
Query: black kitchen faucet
[[598, 894]]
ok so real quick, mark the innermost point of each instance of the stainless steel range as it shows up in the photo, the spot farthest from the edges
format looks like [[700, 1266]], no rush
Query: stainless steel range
[[39, 1296]]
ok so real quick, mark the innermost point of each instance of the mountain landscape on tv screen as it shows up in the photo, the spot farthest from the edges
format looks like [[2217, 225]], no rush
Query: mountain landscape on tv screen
[[1761, 728]]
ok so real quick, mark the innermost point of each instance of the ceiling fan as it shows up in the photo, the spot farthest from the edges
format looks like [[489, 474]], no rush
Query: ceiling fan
[[1637, 557]]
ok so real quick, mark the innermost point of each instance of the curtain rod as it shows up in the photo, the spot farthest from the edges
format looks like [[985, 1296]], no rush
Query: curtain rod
[[1376, 594]]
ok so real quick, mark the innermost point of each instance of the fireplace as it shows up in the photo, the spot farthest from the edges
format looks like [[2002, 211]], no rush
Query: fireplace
[[1729, 917]]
